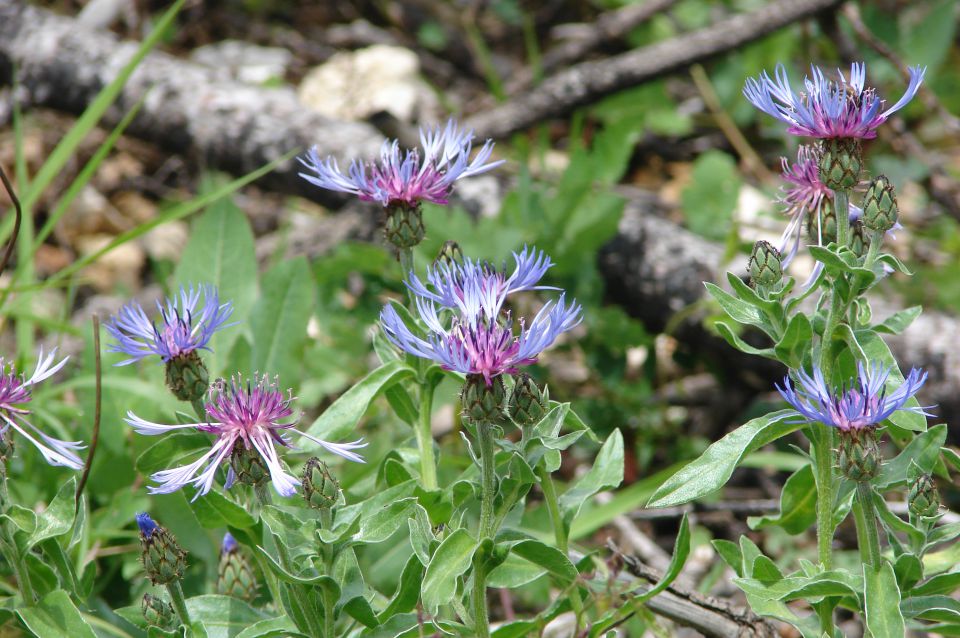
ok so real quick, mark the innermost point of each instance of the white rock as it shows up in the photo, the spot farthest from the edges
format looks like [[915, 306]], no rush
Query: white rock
[[243, 61], [353, 85]]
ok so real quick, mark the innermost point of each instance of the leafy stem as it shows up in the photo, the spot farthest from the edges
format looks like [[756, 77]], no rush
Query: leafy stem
[[428, 464], [488, 488], [868, 537]]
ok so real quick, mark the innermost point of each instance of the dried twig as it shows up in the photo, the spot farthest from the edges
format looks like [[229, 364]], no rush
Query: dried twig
[[95, 437], [589, 81], [16, 223]]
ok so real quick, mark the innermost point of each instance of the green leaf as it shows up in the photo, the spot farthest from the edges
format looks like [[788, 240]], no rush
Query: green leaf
[[909, 571], [714, 467], [384, 522], [222, 616], [711, 196], [171, 450], [940, 584], [55, 615], [220, 252], [279, 320], [273, 628], [829, 583], [740, 311], [798, 504], [214, 510], [408, 590], [58, 518], [550, 558], [730, 553], [882, 602], [938, 608], [734, 340], [514, 572], [795, 342], [606, 472], [924, 450], [449, 562], [898, 321], [341, 418], [681, 550]]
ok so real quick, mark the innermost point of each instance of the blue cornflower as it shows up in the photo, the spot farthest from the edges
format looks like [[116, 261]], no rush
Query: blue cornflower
[[447, 281], [146, 524], [862, 406], [480, 339], [827, 109], [408, 177], [229, 544], [242, 417], [15, 393], [184, 329]]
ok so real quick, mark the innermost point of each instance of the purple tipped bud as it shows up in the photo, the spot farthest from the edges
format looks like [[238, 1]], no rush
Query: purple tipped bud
[[146, 524], [163, 558], [235, 576], [229, 544]]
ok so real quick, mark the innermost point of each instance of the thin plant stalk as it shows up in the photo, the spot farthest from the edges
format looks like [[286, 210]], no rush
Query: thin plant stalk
[[98, 395], [488, 489], [18, 212], [559, 533], [424, 432], [868, 537], [180, 604]]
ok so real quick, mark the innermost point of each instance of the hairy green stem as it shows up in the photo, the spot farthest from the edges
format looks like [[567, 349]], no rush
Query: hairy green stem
[[868, 537], [488, 488], [428, 464], [327, 552], [841, 207], [180, 605], [406, 265], [876, 241], [560, 534]]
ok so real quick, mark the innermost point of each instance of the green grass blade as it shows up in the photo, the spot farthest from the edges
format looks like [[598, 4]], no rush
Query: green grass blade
[[85, 175]]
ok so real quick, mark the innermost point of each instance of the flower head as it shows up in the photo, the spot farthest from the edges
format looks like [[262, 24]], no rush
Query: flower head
[[829, 109], [15, 393], [480, 339], [243, 416], [146, 524], [229, 544], [406, 177], [184, 328], [861, 406]]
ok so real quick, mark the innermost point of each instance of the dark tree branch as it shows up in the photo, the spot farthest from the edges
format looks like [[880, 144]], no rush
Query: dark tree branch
[[191, 108], [589, 81]]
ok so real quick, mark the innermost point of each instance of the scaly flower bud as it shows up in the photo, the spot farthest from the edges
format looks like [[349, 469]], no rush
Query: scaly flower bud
[[163, 559], [860, 456], [320, 488], [765, 265], [859, 240], [880, 210], [823, 228], [841, 163], [187, 377], [450, 255], [528, 403], [924, 498], [404, 227], [248, 466], [483, 403], [234, 574], [157, 612]]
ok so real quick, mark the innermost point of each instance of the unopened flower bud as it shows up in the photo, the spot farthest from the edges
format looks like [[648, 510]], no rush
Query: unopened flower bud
[[766, 267], [450, 254], [248, 467], [528, 403], [822, 229], [483, 403], [404, 227], [924, 498], [163, 559], [840, 163], [234, 574], [320, 488], [859, 240], [880, 210], [157, 612], [6, 445], [860, 457], [187, 377]]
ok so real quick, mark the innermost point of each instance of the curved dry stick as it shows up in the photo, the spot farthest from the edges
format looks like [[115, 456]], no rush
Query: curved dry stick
[[16, 224], [95, 437]]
